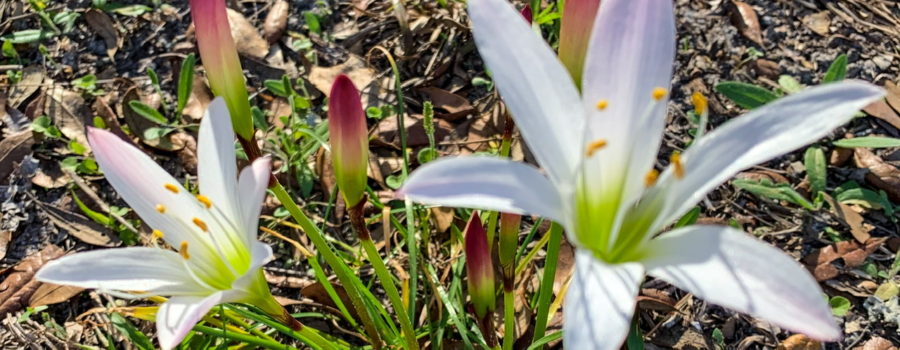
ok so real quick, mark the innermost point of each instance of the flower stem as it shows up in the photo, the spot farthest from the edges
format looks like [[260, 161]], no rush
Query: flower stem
[[340, 268], [546, 290], [509, 319], [244, 338], [358, 222], [297, 330]]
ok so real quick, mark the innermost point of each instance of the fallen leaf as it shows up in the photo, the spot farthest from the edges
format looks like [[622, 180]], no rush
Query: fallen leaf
[[200, 99], [852, 253], [12, 149], [18, 287], [799, 342], [877, 343], [49, 175], [287, 281], [818, 22], [657, 300], [5, 237], [881, 110], [68, 112], [881, 175], [744, 18], [760, 175], [565, 265], [49, 294], [443, 218], [850, 218], [104, 26], [78, 226], [246, 37], [358, 72], [276, 21], [317, 293], [455, 106], [32, 77], [103, 109], [893, 95]]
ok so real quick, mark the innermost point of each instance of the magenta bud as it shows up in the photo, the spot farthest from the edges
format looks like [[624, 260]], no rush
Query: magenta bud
[[479, 267], [526, 13], [349, 139]]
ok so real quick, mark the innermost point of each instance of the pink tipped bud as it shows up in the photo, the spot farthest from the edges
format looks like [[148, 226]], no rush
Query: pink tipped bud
[[479, 268], [220, 59], [526, 13], [575, 33], [348, 138]]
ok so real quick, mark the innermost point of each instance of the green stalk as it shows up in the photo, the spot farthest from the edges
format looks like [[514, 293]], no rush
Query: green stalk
[[244, 338], [445, 300], [236, 320], [387, 281], [546, 290], [340, 268], [509, 319], [307, 335]]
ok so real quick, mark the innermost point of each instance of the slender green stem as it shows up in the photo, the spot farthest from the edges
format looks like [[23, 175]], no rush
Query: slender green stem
[[340, 268], [413, 258], [307, 335], [236, 320], [445, 300], [509, 319], [387, 281], [244, 338], [546, 290]]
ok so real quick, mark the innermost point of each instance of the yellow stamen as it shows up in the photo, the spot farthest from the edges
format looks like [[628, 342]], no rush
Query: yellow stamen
[[183, 250], [157, 234], [650, 178], [677, 167], [172, 188], [700, 103], [595, 146], [659, 93], [161, 208], [602, 104], [201, 224], [205, 200]]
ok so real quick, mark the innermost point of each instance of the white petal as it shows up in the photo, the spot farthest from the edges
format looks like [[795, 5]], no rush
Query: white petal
[[541, 95], [631, 53], [152, 270], [217, 167], [142, 184], [760, 135], [485, 183], [600, 303], [252, 187], [178, 315], [727, 267]]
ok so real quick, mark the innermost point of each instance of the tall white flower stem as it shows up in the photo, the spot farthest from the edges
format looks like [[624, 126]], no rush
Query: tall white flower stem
[[597, 148]]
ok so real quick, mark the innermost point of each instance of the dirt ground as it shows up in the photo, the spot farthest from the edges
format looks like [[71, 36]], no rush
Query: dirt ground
[[848, 250]]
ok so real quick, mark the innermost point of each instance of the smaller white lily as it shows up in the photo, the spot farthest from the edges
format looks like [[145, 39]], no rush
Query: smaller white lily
[[599, 147], [216, 257]]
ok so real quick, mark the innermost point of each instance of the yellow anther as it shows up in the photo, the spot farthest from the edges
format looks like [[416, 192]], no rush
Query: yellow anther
[[172, 188], [650, 178], [677, 167], [161, 208], [595, 146], [602, 104], [700, 103], [205, 200], [157, 234], [183, 250], [201, 224], [659, 93]]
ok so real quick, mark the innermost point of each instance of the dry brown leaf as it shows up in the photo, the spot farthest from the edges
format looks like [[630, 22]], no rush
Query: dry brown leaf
[[49, 175], [877, 343], [12, 149], [5, 237], [893, 95], [854, 254], [246, 37], [443, 218], [358, 72], [78, 226], [68, 112], [317, 293], [455, 106], [881, 175], [819, 22], [32, 76], [49, 294], [565, 265], [287, 281], [276, 21], [103, 109], [759, 175], [799, 342], [850, 218], [744, 18], [199, 100], [881, 110], [19, 285], [104, 26], [655, 299]]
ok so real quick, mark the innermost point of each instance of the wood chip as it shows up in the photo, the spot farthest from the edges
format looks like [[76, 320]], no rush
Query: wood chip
[[818, 23]]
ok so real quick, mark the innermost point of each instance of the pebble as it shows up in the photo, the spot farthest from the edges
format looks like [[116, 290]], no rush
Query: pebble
[[883, 62]]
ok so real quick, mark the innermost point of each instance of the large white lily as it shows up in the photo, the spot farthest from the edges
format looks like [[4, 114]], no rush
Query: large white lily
[[216, 257], [598, 149]]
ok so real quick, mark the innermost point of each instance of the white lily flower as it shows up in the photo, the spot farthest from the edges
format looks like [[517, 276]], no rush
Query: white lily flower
[[216, 258], [598, 149]]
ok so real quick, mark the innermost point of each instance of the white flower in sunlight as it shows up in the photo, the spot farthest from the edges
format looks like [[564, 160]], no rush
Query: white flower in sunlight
[[598, 149], [217, 257]]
